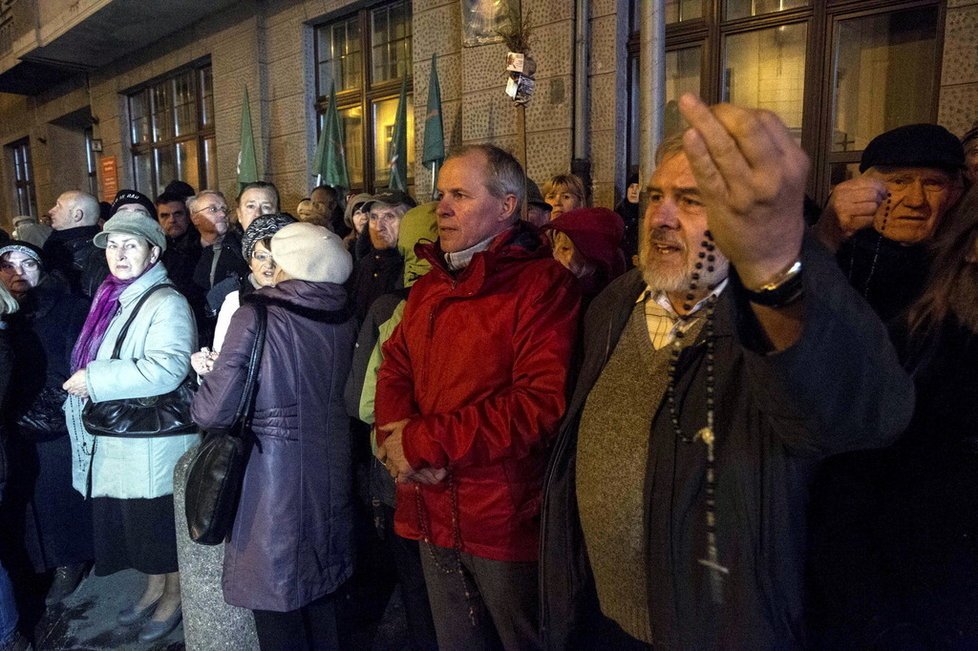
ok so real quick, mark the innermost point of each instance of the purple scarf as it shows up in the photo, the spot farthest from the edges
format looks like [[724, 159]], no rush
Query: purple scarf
[[103, 310]]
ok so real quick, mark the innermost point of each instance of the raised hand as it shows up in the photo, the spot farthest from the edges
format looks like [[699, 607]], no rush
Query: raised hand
[[751, 175], [852, 207]]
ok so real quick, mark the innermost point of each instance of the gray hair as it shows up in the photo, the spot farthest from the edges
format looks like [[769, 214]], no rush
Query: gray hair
[[200, 196], [504, 174], [668, 148]]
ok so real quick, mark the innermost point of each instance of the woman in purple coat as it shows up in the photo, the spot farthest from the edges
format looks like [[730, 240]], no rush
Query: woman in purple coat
[[291, 546]]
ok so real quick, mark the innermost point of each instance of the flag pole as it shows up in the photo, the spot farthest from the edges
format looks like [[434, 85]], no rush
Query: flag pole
[[433, 164]]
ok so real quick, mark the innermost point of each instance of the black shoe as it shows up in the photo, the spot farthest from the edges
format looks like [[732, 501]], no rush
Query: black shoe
[[153, 630], [66, 580], [130, 615]]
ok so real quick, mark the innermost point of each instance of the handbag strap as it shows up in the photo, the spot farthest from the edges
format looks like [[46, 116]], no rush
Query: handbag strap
[[132, 317], [247, 405]]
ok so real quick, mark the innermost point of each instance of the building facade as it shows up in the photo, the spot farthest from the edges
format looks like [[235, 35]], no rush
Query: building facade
[[104, 94]]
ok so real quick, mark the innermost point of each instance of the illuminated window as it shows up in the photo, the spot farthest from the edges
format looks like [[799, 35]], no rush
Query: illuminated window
[[172, 130], [367, 55]]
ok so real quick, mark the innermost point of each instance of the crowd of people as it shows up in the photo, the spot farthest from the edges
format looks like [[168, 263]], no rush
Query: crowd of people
[[554, 425]]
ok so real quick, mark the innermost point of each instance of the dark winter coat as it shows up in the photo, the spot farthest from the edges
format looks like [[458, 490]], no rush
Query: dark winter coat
[[375, 274], [73, 253], [48, 520], [839, 387], [888, 274], [292, 537]]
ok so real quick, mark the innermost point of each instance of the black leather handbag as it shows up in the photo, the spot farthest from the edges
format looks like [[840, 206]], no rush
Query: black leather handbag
[[217, 470], [163, 415], [44, 420]]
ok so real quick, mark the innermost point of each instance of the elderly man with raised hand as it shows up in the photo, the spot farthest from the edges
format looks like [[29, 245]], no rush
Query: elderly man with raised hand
[[715, 378], [468, 399], [69, 249], [880, 222]]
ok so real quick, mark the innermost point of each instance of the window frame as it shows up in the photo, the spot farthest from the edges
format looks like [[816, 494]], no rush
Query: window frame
[[821, 16], [367, 94], [199, 135], [25, 192]]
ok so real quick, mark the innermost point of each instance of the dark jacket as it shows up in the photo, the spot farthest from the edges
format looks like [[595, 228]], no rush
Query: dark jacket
[[72, 253], [377, 273], [927, 521], [889, 275], [839, 387], [479, 364], [205, 297], [181, 257], [6, 364], [44, 513], [292, 537], [43, 333]]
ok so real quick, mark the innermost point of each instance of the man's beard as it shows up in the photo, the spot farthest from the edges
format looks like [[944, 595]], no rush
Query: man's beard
[[666, 276]]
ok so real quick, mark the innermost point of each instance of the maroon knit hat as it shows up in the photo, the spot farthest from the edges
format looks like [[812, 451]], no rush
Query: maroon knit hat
[[597, 234]]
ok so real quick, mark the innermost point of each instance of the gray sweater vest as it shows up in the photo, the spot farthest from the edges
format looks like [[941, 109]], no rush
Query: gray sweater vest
[[612, 460]]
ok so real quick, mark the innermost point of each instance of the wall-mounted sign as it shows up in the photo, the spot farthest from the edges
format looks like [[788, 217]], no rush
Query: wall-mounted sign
[[482, 20], [109, 177]]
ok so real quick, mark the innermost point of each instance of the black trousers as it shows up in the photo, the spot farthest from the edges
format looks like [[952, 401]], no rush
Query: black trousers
[[310, 628]]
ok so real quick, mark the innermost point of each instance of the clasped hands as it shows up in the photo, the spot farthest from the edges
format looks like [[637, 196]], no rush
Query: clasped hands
[[391, 454]]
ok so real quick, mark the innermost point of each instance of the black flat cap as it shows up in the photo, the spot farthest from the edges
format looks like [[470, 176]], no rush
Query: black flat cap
[[914, 145]]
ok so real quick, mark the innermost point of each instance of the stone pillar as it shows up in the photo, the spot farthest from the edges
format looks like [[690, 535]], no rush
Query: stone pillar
[[209, 624]]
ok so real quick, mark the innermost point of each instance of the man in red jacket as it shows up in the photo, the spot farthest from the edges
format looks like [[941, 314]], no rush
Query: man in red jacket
[[469, 397]]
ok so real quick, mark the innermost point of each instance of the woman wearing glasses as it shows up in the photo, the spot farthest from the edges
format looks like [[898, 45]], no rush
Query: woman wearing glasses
[[256, 248]]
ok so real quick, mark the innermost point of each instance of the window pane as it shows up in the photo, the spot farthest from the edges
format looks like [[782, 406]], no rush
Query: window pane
[[839, 172], [679, 10], [884, 75], [383, 116], [139, 117], [206, 77], [766, 69], [187, 169], [743, 8], [166, 169], [683, 70], [161, 112], [390, 39], [210, 164], [352, 121], [340, 56], [142, 166], [184, 105]]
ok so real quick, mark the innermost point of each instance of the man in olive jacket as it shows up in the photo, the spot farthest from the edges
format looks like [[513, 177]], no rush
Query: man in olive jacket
[[715, 378]]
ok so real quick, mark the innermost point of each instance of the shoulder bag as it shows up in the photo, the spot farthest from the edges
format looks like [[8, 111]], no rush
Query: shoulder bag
[[167, 414], [217, 470]]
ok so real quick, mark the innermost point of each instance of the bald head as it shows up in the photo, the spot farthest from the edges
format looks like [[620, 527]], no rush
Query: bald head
[[73, 209]]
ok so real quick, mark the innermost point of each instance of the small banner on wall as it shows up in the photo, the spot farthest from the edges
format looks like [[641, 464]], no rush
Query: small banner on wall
[[109, 178]]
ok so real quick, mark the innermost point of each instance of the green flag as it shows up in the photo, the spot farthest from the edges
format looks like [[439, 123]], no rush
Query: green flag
[[330, 160], [398, 150], [434, 135], [247, 160]]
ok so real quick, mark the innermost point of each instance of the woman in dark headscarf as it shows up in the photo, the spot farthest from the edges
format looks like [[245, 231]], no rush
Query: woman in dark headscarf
[[48, 522]]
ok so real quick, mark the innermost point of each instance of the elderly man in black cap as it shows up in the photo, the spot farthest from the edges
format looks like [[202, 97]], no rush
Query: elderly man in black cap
[[380, 271], [879, 223]]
